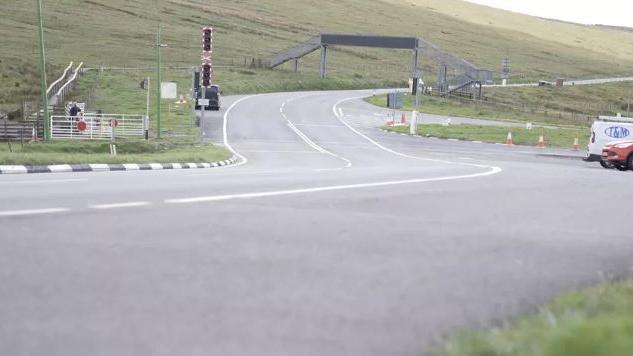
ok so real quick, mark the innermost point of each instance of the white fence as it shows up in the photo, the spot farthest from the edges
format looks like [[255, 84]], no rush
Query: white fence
[[98, 127]]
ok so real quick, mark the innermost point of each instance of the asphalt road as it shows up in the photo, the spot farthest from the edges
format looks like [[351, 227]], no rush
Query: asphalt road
[[332, 238]]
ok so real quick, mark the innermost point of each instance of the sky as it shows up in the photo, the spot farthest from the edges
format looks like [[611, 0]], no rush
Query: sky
[[603, 12]]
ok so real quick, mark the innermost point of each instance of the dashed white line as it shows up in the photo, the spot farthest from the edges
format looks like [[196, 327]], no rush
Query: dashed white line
[[311, 143], [119, 205], [33, 212]]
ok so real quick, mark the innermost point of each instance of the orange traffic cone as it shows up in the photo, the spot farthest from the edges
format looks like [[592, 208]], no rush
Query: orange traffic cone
[[509, 139], [576, 144], [403, 119]]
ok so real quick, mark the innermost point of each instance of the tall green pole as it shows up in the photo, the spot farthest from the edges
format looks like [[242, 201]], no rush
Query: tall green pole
[[158, 83], [44, 86]]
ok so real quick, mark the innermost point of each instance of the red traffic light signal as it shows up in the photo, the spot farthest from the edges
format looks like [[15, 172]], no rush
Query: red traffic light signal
[[207, 39], [206, 75]]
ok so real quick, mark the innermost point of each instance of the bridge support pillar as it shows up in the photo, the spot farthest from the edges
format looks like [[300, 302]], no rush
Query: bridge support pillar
[[414, 66], [323, 70]]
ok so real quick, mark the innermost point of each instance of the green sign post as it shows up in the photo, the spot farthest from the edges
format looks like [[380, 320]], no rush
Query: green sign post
[[46, 121]]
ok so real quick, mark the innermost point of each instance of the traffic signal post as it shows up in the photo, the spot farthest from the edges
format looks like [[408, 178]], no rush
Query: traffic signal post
[[206, 74]]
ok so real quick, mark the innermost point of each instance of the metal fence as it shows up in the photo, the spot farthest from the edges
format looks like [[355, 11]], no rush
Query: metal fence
[[19, 130], [98, 127]]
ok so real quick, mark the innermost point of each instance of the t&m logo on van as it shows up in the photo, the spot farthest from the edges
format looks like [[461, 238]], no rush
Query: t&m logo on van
[[617, 132]]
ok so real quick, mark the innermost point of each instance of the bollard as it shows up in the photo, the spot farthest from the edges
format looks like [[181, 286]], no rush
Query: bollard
[[413, 125]]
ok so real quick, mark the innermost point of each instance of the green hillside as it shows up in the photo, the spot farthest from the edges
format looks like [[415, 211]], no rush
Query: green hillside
[[121, 33]]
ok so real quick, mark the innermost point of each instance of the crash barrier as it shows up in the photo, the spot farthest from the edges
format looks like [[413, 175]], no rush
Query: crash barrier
[[98, 126]]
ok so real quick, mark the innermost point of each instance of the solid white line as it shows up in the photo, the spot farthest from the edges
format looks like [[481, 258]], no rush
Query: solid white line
[[324, 189], [327, 169], [33, 212], [243, 160], [119, 205]]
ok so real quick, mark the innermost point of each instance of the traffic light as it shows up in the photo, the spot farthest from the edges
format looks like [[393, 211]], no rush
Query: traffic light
[[206, 75], [207, 60], [207, 39]]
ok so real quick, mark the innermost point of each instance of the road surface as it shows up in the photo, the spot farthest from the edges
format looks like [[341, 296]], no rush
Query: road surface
[[332, 238]]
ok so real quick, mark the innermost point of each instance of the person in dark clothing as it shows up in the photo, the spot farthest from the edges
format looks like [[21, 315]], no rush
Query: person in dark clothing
[[74, 110]]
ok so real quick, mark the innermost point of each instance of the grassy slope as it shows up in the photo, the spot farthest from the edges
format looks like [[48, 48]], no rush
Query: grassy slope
[[604, 99], [570, 105], [121, 33], [560, 138], [593, 322]]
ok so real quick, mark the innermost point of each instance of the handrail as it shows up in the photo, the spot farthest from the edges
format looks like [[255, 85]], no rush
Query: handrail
[[71, 80], [50, 88]]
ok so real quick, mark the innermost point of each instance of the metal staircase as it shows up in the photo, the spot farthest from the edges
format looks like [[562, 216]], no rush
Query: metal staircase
[[295, 52]]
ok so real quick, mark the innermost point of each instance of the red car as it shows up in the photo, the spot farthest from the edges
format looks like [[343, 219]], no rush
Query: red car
[[618, 154]]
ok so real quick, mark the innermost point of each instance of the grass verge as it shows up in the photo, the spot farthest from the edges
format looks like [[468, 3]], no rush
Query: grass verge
[[128, 151], [560, 137], [485, 111], [592, 322]]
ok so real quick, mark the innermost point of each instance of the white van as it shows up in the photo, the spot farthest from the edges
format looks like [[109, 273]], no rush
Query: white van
[[608, 129]]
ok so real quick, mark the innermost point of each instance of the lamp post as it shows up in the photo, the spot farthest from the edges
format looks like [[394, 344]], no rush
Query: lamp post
[[158, 82], [47, 131]]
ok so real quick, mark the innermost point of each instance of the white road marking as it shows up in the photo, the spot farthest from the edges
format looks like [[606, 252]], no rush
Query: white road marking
[[319, 125], [243, 160], [277, 151], [44, 181], [213, 198], [327, 170], [307, 140], [119, 205], [33, 212], [339, 115]]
